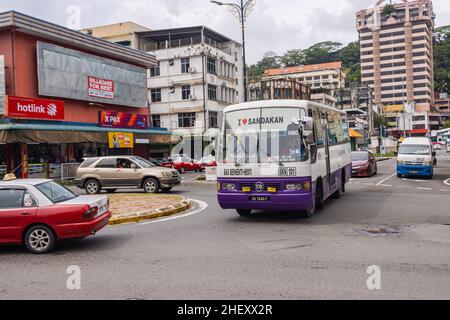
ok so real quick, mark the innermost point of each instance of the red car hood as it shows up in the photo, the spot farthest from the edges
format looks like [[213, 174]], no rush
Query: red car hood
[[359, 163]]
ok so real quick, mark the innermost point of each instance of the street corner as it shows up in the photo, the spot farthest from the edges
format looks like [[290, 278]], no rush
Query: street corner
[[135, 208]]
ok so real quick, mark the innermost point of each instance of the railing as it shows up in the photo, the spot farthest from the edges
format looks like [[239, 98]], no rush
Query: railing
[[68, 170]]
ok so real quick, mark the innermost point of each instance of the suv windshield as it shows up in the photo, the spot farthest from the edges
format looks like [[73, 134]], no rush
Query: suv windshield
[[415, 149], [143, 163], [56, 192]]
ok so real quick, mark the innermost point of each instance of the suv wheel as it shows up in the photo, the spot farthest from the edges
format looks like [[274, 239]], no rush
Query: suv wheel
[[151, 185], [92, 186], [40, 239]]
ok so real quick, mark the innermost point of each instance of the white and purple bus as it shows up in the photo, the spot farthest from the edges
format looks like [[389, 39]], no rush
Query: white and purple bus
[[287, 155]]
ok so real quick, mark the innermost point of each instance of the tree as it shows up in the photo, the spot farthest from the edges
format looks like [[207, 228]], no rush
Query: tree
[[441, 40], [293, 58], [350, 57], [379, 120], [322, 52], [270, 60], [446, 124]]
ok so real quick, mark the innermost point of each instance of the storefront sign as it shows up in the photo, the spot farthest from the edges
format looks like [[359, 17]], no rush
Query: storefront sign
[[111, 119], [119, 140], [100, 88], [30, 108]]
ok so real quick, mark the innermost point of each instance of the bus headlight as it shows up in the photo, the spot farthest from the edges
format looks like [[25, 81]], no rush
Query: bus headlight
[[294, 186], [229, 186]]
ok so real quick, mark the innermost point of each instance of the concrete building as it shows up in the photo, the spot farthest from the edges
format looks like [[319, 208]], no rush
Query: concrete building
[[199, 73], [124, 33], [397, 52], [277, 89], [67, 96], [324, 79]]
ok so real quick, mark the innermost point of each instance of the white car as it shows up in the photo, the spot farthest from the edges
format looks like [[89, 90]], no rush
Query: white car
[[437, 146]]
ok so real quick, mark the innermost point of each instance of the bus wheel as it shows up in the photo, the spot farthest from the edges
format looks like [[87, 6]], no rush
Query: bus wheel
[[244, 212]]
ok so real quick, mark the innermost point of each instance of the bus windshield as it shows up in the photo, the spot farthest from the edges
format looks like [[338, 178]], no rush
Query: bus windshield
[[263, 136], [415, 149]]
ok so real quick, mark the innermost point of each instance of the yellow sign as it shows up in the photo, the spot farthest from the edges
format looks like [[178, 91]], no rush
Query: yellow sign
[[119, 140], [394, 108]]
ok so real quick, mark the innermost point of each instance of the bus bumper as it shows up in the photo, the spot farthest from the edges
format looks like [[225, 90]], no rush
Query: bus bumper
[[411, 170], [266, 201]]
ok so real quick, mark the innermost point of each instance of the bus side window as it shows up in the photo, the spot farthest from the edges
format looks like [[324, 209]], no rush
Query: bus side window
[[318, 129]]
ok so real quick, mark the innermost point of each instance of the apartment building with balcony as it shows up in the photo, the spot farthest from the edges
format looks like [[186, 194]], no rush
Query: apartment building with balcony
[[397, 52], [284, 88], [324, 79], [199, 73]]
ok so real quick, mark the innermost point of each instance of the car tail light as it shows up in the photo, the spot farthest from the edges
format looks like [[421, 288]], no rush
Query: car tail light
[[90, 214]]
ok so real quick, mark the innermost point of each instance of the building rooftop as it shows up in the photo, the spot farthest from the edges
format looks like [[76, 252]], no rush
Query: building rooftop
[[181, 33], [305, 68], [53, 32]]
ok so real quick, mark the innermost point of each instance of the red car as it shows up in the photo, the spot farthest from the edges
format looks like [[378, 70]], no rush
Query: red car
[[208, 161], [38, 212], [364, 164], [183, 164]]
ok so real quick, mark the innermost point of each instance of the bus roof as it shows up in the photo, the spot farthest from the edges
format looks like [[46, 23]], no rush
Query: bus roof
[[287, 103], [417, 140]]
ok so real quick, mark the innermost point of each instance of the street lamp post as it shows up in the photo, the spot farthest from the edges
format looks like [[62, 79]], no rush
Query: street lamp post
[[241, 12]]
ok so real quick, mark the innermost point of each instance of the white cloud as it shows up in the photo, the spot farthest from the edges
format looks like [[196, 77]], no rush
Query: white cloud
[[274, 25]]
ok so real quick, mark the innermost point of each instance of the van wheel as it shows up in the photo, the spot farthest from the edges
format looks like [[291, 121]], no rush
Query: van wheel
[[40, 239], [92, 186], [244, 212], [151, 185]]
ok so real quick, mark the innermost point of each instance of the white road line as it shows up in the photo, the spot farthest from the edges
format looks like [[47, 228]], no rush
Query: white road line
[[405, 187], [447, 182], [428, 189], [443, 190], [384, 185], [386, 179], [201, 206]]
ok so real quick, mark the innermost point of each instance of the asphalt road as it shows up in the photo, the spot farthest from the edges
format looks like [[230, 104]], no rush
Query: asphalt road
[[214, 254]]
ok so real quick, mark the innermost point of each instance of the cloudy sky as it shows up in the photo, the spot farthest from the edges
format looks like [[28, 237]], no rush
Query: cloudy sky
[[274, 25]]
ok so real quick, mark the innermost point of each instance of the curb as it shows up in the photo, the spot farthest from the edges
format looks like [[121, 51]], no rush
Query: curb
[[137, 217], [382, 159]]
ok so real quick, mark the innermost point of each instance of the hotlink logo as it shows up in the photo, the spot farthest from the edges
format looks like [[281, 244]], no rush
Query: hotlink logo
[[52, 110]]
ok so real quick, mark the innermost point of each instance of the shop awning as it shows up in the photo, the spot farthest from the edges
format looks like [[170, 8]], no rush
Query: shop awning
[[354, 133], [57, 133]]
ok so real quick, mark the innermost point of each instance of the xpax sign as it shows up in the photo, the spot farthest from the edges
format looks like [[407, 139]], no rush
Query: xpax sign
[[31, 108]]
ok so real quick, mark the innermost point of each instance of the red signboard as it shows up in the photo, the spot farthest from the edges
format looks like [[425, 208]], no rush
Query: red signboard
[[100, 88], [112, 119], [31, 108]]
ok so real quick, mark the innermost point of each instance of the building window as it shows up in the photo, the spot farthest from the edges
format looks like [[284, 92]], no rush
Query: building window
[[156, 121], [185, 65], [211, 66], [155, 71], [212, 92], [185, 92], [213, 123], [186, 120], [156, 95]]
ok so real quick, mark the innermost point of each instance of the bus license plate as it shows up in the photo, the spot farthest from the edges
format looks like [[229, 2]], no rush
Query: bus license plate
[[261, 199], [287, 172]]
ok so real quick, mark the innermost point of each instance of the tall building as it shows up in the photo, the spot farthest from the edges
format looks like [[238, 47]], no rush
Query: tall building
[[324, 79], [397, 52]]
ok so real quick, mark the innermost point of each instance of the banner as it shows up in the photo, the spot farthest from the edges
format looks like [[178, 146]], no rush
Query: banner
[[31, 108], [119, 140], [112, 119], [100, 88]]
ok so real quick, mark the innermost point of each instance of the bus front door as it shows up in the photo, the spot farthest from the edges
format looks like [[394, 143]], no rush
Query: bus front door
[[327, 184]]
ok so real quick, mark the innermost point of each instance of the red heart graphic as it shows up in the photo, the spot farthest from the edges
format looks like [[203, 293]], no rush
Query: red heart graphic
[[244, 121]]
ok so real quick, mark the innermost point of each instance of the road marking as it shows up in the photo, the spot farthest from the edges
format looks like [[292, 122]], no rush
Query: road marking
[[428, 189], [443, 190], [386, 179], [447, 182], [384, 185], [405, 187], [201, 206]]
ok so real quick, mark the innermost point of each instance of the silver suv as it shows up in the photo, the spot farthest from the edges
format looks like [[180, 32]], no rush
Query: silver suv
[[124, 172]]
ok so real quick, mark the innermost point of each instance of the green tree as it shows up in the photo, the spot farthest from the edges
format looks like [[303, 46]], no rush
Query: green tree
[[270, 60], [379, 120], [446, 124], [322, 52], [441, 40], [293, 58], [350, 57]]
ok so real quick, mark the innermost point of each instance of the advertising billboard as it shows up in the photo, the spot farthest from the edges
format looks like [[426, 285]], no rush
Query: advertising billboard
[[112, 119], [31, 108], [73, 74], [120, 140]]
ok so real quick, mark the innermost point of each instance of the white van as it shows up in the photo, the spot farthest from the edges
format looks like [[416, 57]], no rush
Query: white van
[[416, 158]]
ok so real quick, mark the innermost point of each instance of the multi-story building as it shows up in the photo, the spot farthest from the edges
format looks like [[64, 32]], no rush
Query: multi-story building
[[277, 89], [442, 105], [124, 33], [397, 52], [199, 73], [324, 79]]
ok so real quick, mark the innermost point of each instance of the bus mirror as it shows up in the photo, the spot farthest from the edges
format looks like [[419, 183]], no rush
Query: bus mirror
[[308, 136]]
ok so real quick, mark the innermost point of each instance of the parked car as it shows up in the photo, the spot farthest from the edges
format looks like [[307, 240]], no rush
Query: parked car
[[437, 146], [364, 164], [124, 172], [185, 164], [209, 161], [167, 163], [38, 212]]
